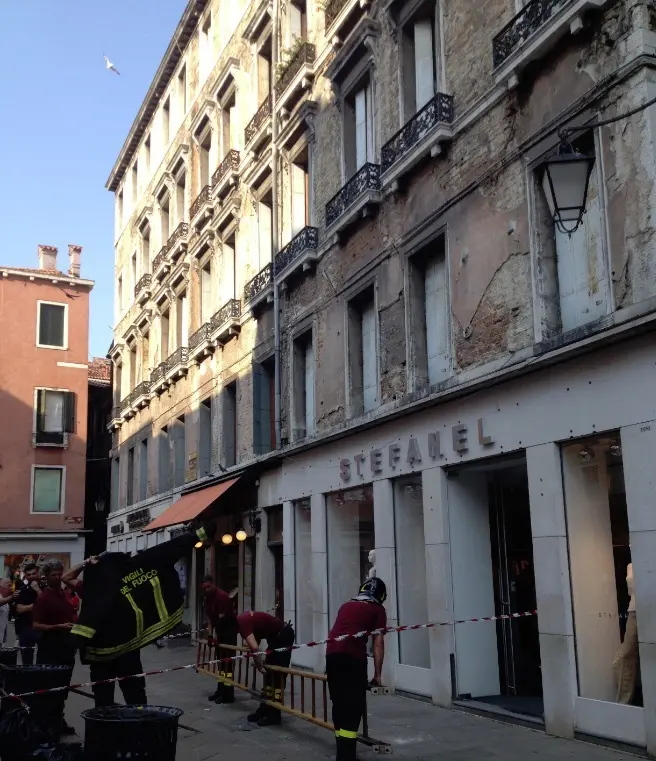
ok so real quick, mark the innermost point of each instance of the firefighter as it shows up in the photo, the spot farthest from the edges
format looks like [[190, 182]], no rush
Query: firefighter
[[222, 620], [254, 627], [346, 662]]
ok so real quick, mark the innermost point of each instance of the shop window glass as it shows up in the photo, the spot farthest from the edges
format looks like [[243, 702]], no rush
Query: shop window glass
[[414, 648], [350, 526], [303, 570], [605, 618]]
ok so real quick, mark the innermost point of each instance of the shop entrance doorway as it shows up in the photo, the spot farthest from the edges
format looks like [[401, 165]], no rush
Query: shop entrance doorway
[[497, 664]]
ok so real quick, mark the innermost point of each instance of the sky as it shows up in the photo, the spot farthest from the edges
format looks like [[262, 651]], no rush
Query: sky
[[63, 120]]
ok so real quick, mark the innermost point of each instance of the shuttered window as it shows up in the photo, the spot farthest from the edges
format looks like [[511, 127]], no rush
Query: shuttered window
[[55, 415]]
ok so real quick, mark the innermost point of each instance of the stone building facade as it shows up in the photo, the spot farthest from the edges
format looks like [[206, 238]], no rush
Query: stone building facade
[[341, 293]]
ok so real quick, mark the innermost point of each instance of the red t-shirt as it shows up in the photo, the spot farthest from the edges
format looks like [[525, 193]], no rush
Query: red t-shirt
[[353, 617], [52, 607], [262, 625], [218, 603]]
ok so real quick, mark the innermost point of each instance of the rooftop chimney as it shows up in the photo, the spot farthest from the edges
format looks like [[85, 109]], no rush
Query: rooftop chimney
[[74, 253], [47, 258]]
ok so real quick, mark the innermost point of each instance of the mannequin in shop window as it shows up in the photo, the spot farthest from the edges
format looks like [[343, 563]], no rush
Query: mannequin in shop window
[[625, 665], [372, 560]]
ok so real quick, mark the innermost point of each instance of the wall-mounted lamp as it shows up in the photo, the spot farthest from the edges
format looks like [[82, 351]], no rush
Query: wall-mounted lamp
[[226, 539], [241, 535], [198, 545]]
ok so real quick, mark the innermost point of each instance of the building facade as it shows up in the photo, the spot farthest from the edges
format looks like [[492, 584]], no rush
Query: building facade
[[44, 324], [347, 287]]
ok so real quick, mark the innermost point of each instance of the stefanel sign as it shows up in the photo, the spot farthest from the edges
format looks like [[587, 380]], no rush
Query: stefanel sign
[[413, 452]]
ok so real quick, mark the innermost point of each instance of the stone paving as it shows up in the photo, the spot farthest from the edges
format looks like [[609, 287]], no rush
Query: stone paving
[[415, 729]]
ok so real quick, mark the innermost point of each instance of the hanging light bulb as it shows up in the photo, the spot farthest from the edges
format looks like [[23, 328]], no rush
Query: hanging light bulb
[[198, 545], [241, 535], [226, 538]]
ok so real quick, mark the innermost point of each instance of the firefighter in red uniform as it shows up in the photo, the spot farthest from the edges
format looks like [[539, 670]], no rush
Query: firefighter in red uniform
[[346, 662], [223, 623], [254, 627]]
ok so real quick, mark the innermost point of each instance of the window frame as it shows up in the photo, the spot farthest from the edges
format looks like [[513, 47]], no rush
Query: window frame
[[353, 300], [39, 345], [35, 411], [62, 489]]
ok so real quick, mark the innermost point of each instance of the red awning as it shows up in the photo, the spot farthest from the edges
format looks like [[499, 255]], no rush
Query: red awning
[[190, 506]]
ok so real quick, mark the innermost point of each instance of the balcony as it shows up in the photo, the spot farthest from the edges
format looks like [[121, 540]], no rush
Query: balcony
[[126, 407], [337, 16], [161, 264], [115, 420], [258, 130], [299, 254], [177, 242], [226, 177], [418, 137], [142, 289], [296, 75], [201, 209], [226, 322], [200, 343], [56, 439], [141, 395], [158, 380], [536, 28], [354, 200], [176, 364], [259, 290]]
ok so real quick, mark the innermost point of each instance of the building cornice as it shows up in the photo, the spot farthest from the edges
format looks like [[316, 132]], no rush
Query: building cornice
[[51, 277], [161, 80]]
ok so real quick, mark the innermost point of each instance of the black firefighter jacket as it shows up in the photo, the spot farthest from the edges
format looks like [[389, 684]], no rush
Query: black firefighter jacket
[[130, 601]]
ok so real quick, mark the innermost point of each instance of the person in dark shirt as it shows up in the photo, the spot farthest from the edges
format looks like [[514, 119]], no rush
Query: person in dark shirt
[[27, 594], [222, 624], [254, 627], [346, 662]]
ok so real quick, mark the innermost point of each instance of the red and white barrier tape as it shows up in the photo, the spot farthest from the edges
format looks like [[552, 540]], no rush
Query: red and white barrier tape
[[244, 656]]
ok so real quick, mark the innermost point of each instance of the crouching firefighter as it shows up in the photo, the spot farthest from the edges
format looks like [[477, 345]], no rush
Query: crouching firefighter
[[254, 627], [346, 662], [129, 602]]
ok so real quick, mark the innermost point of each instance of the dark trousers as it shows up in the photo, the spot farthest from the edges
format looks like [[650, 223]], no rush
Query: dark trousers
[[226, 634], [274, 681], [347, 685], [134, 690], [27, 640], [57, 649]]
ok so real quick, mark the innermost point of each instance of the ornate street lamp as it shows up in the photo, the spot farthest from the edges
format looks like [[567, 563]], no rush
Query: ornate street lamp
[[565, 182]]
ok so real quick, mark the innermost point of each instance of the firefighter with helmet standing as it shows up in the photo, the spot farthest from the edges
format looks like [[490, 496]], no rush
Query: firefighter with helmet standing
[[346, 662]]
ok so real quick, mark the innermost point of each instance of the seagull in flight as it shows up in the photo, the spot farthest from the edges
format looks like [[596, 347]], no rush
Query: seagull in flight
[[110, 66]]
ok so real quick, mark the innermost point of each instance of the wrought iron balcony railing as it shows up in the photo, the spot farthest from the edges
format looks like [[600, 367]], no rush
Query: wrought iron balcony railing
[[202, 334], [366, 178], [307, 238], [160, 258], [143, 283], [158, 373], [231, 310], [179, 357], [203, 197], [141, 389], [515, 33], [332, 10], [262, 280], [181, 231], [306, 53], [261, 115], [126, 402], [436, 111], [229, 164]]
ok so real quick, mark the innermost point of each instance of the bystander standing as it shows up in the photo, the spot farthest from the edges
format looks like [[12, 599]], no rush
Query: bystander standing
[[6, 597], [25, 597]]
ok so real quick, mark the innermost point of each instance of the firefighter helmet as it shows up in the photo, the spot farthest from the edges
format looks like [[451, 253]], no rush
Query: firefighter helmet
[[374, 588]]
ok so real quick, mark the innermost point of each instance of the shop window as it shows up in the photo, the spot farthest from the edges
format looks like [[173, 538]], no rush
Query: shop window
[[605, 617], [414, 648], [303, 569], [350, 529]]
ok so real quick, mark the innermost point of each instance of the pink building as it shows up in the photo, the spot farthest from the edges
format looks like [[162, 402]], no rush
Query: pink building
[[44, 339]]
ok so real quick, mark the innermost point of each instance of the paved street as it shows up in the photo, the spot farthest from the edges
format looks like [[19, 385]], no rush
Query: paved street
[[415, 729]]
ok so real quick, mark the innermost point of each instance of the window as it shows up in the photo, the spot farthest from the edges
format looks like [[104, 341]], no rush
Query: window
[[205, 151], [230, 424], [47, 489], [178, 439], [55, 416], [166, 124], [133, 268], [116, 470], [264, 228], [419, 61], [205, 48], [144, 360], [145, 249], [227, 116], [206, 304], [182, 91], [303, 386], [165, 474], [130, 490], [135, 184], [118, 384], [147, 153], [119, 294], [205, 438], [429, 316], [363, 353], [297, 21], [143, 469], [119, 211], [164, 216], [264, 70], [164, 328], [52, 325], [180, 196], [300, 192], [181, 323], [133, 366], [358, 128], [229, 273], [264, 425]]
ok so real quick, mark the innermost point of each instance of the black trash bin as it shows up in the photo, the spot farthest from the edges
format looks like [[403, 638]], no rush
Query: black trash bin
[[137, 733], [8, 656]]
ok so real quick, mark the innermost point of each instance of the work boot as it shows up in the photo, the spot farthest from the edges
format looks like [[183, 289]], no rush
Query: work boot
[[255, 717], [349, 749], [228, 694], [270, 718], [215, 696]]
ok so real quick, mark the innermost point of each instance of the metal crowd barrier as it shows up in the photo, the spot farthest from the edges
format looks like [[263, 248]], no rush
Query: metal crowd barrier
[[304, 694]]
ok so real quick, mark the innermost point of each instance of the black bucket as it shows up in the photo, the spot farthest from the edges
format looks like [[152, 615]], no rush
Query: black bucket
[[134, 733]]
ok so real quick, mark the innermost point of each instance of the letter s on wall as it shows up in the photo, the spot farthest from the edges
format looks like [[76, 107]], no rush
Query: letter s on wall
[[345, 469]]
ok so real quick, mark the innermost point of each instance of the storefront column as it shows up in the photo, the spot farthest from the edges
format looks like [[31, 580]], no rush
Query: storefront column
[[386, 570], [192, 585], [438, 573], [638, 447], [553, 589], [264, 569], [288, 570], [320, 623]]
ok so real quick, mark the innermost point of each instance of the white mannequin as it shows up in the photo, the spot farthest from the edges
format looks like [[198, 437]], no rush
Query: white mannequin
[[629, 584], [372, 559]]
